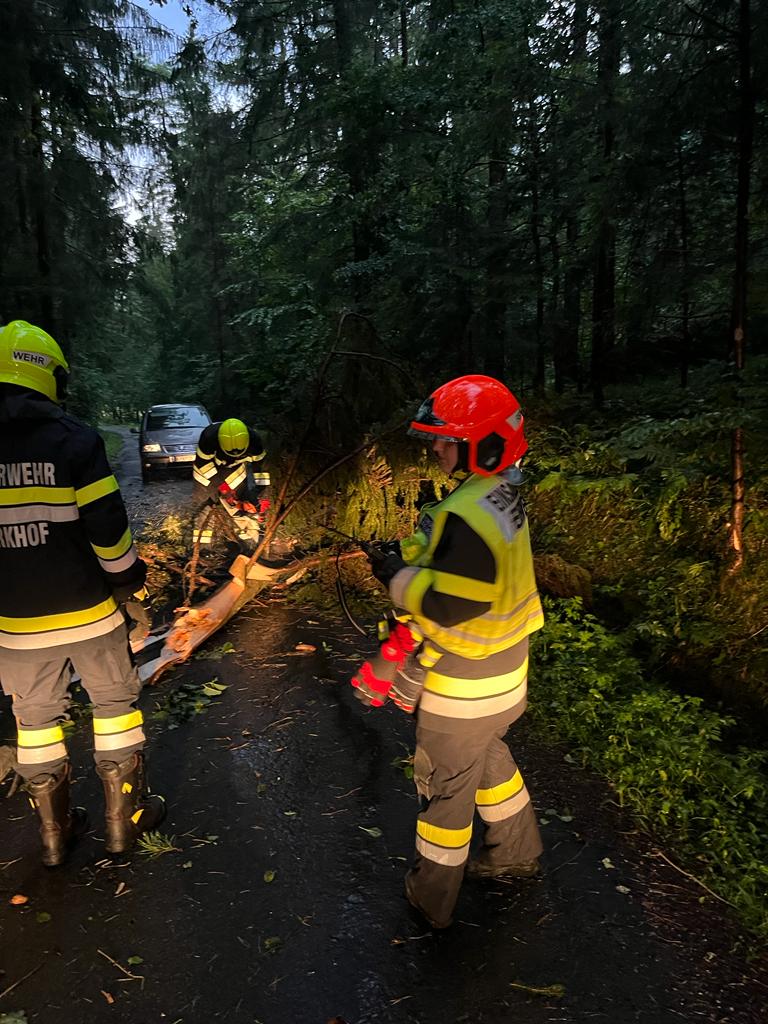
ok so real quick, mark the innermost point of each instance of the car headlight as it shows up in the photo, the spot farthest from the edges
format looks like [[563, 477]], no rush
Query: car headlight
[[150, 447]]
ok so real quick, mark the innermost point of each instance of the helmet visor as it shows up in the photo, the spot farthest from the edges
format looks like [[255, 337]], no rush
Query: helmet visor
[[427, 423], [424, 432]]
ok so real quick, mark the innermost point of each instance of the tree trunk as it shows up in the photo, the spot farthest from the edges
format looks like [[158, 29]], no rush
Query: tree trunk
[[358, 153], [569, 346], [739, 315], [539, 376], [497, 253], [496, 264], [566, 349], [40, 193], [685, 298], [745, 143], [603, 291], [404, 34], [738, 493]]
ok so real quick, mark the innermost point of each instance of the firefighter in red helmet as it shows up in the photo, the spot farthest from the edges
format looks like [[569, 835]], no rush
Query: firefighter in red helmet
[[465, 584]]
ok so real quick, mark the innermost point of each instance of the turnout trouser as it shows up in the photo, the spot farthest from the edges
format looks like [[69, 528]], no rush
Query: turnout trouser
[[456, 773], [38, 681]]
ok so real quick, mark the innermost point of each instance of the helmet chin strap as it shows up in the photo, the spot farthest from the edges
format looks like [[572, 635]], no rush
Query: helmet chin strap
[[61, 377], [461, 470]]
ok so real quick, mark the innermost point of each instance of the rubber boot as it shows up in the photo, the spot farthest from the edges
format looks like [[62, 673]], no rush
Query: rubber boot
[[482, 869], [130, 809], [410, 895], [60, 827]]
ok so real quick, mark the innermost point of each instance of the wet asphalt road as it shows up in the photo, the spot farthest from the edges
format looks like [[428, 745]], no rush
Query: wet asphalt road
[[281, 902]]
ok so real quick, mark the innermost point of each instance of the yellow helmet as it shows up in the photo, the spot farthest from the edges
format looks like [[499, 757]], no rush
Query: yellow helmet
[[234, 437], [30, 358]]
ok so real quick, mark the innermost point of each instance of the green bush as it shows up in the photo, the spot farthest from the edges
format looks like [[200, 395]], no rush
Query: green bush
[[663, 752]]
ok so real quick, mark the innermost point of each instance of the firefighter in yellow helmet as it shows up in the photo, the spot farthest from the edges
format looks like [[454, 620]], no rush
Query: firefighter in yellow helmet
[[69, 570], [464, 586], [228, 473]]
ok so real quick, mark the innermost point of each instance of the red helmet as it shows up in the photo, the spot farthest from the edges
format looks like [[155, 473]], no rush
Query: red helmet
[[483, 413]]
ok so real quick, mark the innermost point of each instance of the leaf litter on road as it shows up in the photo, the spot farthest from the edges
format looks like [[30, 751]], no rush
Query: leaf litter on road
[[154, 844], [374, 831], [554, 991], [187, 701], [216, 653]]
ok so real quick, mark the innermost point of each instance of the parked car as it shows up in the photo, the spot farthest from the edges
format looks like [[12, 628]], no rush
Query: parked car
[[168, 437]]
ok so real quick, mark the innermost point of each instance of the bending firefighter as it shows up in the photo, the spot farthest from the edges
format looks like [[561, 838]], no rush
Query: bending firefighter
[[225, 479], [465, 591], [68, 564]]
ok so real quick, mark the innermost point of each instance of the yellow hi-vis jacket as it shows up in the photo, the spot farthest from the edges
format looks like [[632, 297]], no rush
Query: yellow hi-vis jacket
[[471, 591]]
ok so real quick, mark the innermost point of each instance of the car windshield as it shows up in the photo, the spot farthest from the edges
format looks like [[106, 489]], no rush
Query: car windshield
[[179, 416]]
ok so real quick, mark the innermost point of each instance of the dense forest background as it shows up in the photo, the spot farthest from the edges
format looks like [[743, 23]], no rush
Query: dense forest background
[[549, 192], [570, 196]]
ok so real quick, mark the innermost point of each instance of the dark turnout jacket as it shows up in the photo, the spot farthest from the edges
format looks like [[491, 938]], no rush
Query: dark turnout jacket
[[66, 552], [214, 468]]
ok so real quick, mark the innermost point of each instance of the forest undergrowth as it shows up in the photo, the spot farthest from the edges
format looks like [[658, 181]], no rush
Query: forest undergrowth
[[661, 680]]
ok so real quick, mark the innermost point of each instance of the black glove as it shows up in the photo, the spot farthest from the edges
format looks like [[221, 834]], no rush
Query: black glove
[[137, 612], [385, 561]]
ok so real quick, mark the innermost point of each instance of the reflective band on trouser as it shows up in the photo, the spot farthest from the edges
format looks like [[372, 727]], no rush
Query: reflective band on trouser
[[262, 479], [40, 747], [202, 536], [512, 830], [121, 733], [447, 771], [503, 800], [448, 846]]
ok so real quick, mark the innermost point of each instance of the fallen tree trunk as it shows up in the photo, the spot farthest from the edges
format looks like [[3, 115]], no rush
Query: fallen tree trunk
[[195, 625]]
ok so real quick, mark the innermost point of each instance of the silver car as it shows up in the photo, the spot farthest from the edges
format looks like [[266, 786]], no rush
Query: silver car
[[168, 437]]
